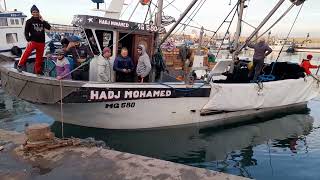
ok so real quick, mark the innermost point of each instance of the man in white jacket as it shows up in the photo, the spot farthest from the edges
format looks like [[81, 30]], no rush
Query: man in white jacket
[[105, 67], [144, 65]]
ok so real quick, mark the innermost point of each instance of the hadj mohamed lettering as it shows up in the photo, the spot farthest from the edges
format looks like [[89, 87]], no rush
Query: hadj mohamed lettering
[[125, 95]]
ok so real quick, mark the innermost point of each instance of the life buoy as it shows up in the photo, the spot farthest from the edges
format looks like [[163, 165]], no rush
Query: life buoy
[[15, 50], [144, 2]]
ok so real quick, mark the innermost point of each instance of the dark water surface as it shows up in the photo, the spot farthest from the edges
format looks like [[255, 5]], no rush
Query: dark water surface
[[287, 147]]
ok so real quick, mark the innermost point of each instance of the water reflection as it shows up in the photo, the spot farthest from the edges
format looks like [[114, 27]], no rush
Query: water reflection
[[193, 145]]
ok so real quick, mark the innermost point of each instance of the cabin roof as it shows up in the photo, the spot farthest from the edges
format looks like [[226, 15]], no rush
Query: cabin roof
[[11, 14], [87, 21]]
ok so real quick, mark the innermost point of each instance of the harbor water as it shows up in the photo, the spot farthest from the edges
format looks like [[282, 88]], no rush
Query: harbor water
[[285, 147]]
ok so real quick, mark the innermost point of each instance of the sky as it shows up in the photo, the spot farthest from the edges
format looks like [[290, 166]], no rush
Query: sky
[[210, 16]]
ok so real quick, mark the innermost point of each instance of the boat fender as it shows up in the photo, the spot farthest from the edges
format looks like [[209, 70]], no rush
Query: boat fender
[[15, 50]]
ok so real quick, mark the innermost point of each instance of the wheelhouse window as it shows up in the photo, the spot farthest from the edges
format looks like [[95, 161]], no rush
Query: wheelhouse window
[[105, 38], [3, 22], [17, 21], [12, 21], [92, 42], [12, 38]]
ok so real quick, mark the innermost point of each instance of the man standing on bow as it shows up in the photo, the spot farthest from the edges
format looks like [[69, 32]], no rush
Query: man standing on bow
[[261, 50], [35, 35]]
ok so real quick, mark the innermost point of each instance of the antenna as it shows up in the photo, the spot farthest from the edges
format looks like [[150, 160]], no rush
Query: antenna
[[98, 2]]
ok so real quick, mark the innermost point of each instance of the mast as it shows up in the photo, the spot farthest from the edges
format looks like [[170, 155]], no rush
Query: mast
[[200, 40], [277, 6], [238, 32], [158, 22], [239, 27]]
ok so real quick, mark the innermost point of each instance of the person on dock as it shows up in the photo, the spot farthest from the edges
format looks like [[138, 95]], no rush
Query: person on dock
[[144, 65], [123, 66], [306, 65], [81, 54], [261, 51], [62, 66], [35, 35], [105, 67]]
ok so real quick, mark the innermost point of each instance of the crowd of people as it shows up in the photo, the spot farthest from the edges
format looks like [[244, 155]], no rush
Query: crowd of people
[[76, 55], [73, 60]]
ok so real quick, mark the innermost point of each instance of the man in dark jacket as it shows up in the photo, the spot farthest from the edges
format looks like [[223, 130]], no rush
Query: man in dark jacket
[[35, 35], [81, 54], [123, 66]]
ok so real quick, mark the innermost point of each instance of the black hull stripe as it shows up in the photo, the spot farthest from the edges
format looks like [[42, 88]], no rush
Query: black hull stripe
[[93, 95]]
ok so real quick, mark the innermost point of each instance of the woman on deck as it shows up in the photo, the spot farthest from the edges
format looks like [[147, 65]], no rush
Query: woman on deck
[[62, 66]]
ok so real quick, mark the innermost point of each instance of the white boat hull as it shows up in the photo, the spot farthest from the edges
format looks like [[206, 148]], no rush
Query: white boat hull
[[278, 47], [309, 50], [131, 105], [155, 114]]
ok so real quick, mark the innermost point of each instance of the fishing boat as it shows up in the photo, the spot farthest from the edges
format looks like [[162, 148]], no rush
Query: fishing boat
[[279, 44], [156, 104], [12, 40], [307, 46]]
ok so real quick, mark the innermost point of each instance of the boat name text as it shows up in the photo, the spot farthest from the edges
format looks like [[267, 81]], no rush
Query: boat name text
[[113, 23], [128, 94]]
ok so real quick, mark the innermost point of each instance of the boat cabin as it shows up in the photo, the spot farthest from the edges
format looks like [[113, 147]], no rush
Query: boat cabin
[[103, 32]]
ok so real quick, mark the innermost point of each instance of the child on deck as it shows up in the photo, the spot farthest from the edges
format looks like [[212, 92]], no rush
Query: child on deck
[[307, 65], [62, 66]]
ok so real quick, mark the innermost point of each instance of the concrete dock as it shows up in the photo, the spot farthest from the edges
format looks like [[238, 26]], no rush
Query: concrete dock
[[79, 162]]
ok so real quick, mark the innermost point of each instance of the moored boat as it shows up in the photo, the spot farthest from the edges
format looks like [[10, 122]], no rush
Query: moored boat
[[156, 104]]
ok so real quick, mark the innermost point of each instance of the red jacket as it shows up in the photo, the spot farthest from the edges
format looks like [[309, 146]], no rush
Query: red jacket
[[307, 66]]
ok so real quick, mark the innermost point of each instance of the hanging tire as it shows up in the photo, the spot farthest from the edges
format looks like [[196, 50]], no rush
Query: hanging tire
[[15, 50]]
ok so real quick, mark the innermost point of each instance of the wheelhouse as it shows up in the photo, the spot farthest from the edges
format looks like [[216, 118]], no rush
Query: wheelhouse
[[104, 32]]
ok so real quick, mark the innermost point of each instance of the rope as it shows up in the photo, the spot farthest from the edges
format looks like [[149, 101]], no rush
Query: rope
[[170, 3], [225, 35], [194, 14], [225, 20], [61, 110], [134, 10], [294, 22], [184, 90], [278, 20], [125, 9], [189, 17], [149, 6]]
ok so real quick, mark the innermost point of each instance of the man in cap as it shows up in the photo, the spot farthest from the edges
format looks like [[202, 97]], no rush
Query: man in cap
[[35, 35], [261, 50], [105, 67], [81, 54]]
